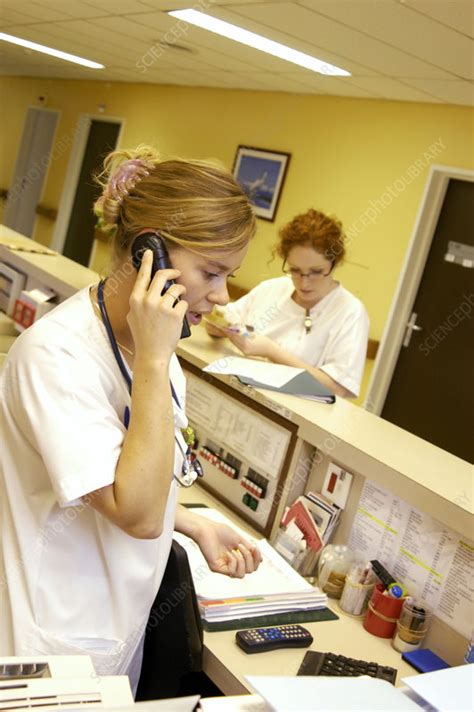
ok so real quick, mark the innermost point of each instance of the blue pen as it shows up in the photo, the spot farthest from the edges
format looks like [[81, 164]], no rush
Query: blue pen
[[246, 330]]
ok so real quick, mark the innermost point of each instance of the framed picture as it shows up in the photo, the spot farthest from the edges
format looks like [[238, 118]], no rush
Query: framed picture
[[261, 174]]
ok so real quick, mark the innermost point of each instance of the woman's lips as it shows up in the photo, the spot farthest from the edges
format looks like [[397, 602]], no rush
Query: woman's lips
[[194, 318]]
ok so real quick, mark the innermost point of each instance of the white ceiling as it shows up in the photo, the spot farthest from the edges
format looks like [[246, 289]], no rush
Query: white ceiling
[[408, 50]]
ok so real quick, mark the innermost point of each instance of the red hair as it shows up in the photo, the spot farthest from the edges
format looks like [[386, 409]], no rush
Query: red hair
[[314, 229]]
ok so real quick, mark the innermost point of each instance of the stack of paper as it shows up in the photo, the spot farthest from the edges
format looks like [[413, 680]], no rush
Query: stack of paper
[[300, 524], [274, 588], [311, 520], [325, 514]]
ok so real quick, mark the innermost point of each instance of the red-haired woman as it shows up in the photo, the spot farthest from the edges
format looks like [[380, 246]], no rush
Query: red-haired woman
[[306, 318]]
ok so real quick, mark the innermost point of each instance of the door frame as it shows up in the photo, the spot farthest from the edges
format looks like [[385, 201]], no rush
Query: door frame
[[73, 171], [45, 110], [409, 281]]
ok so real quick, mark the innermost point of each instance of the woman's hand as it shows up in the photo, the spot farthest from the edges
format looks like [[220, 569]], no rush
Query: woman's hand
[[225, 551], [213, 330], [253, 344], [156, 321]]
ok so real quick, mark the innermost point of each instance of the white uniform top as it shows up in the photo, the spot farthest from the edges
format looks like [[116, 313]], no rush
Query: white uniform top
[[71, 582], [337, 342]]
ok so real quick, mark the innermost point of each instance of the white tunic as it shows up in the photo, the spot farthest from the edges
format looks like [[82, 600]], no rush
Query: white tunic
[[337, 342], [71, 582]]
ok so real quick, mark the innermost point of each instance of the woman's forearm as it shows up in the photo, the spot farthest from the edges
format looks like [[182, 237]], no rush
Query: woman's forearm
[[188, 523], [136, 501], [145, 468], [277, 354]]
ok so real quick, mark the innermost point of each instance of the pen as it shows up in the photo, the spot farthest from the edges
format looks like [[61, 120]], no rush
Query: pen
[[247, 330]]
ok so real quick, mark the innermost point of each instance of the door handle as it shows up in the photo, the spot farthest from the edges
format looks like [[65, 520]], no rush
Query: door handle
[[411, 327]]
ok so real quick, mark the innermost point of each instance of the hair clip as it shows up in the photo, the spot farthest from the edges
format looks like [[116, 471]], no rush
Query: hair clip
[[126, 177]]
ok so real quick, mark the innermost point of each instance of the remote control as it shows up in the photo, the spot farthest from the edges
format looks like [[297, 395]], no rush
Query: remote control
[[259, 640]]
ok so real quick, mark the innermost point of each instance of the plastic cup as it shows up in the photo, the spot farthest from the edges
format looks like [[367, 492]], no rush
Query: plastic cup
[[412, 626], [355, 597]]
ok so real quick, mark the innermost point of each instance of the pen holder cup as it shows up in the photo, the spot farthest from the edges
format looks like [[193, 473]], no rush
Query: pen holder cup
[[412, 626], [355, 597], [382, 613]]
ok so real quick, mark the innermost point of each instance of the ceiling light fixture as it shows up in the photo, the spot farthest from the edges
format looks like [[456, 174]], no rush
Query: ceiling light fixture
[[233, 32], [48, 50]]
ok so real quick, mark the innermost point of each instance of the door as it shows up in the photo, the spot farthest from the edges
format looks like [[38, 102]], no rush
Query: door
[[102, 139], [431, 393], [31, 167]]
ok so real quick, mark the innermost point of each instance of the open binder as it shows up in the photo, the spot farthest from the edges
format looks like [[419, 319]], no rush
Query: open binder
[[303, 384], [273, 377]]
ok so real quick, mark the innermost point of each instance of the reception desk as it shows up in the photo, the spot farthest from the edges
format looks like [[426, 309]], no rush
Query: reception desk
[[426, 478], [377, 453]]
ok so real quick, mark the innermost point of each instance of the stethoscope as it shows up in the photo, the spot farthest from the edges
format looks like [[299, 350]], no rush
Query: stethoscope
[[191, 468]]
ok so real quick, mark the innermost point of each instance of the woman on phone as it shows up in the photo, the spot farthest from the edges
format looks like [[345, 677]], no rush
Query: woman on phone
[[89, 464], [306, 318]]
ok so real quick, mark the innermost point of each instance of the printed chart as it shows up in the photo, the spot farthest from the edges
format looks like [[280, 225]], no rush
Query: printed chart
[[432, 561]]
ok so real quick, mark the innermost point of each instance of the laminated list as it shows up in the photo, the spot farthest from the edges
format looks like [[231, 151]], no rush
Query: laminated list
[[434, 562]]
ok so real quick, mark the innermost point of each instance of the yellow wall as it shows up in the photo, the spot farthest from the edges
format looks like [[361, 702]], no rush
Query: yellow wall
[[345, 153]]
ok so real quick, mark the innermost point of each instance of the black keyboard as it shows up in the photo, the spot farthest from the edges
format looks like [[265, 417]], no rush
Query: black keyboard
[[315, 663]]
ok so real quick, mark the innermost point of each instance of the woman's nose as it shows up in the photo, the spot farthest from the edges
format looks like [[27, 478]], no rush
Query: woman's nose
[[220, 296]]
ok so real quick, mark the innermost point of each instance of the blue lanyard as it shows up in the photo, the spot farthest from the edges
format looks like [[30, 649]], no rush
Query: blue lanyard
[[191, 468], [116, 350]]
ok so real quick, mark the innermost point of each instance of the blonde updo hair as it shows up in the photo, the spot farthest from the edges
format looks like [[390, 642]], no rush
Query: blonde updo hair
[[323, 233], [192, 203]]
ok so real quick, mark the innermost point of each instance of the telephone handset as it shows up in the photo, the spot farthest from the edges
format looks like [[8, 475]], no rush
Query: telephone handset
[[155, 243]]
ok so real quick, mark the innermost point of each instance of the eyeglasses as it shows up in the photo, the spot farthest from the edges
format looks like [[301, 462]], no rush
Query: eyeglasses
[[312, 275], [191, 468]]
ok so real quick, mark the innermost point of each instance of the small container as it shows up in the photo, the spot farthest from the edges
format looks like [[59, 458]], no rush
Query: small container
[[357, 589], [412, 626], [382, 613], [334, 563]]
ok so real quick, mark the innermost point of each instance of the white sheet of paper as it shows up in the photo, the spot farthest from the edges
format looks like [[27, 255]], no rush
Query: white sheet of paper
[[234, 703], [305, 693], [273, 374], [273, 576], [448, 690]]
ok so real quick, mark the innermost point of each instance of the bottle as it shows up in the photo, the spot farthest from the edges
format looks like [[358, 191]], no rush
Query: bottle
[[333, 565], [469, 657]]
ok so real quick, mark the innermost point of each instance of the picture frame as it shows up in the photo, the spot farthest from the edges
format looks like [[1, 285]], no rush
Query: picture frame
[[261, 173]]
